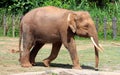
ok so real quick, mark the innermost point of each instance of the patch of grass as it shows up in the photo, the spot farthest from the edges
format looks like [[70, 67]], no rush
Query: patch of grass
[[109, 59]]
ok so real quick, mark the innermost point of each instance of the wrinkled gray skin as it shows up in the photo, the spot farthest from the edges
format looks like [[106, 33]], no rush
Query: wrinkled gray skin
[[57, 26]]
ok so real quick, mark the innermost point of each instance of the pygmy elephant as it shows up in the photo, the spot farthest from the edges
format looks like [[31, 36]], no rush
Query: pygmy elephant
[[57, 26]]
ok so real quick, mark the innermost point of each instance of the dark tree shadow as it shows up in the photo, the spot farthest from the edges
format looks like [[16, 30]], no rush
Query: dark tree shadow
[[67, 66]]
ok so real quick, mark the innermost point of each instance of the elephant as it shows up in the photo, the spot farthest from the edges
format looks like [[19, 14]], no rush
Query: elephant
[[58, 26]]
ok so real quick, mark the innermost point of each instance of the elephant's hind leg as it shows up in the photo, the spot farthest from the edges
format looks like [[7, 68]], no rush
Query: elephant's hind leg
[[24, 56], [34, 52], [54, 53]]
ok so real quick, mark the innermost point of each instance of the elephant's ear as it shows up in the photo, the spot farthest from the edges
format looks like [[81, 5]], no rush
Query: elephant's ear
[[72, 21]]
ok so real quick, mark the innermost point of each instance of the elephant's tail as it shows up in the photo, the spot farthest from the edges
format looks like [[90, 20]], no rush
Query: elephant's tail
[[20, 41]]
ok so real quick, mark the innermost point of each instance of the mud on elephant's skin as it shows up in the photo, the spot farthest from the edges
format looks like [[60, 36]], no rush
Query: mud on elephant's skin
[[57, 26]]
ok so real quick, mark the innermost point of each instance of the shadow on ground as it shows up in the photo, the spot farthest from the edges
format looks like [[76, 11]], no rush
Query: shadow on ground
[[67, 66]]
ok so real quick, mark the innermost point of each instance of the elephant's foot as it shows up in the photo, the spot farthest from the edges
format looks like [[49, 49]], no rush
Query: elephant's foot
[[46, 63], [76, 67], [26, 65], [96, 69], [32, 62]]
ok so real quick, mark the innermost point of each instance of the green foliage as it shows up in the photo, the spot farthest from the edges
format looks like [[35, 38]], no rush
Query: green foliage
[[19, 6], [57, 3]]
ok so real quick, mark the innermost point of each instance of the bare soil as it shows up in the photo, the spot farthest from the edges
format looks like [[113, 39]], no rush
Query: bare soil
[[9, 63], [69, 72]]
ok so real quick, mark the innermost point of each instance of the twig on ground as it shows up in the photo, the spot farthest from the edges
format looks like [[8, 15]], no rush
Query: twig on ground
[[115, 44], [14, 51]]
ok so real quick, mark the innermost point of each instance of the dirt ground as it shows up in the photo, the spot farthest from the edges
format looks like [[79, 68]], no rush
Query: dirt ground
[[9, 64], [69, 72]]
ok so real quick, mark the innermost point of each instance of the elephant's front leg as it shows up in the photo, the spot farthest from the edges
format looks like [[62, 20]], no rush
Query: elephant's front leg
[[55, 50], [71, 46]]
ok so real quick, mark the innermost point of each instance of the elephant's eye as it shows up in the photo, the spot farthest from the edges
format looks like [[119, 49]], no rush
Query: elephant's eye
[[86, 25]]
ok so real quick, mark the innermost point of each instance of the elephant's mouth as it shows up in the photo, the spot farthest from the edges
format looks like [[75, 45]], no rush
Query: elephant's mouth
[[98, 46]]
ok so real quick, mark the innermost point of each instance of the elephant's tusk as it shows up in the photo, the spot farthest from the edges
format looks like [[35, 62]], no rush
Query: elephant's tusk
[[68, 19], [99, 48]]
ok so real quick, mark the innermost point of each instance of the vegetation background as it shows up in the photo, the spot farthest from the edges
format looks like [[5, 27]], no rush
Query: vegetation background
[[97, 8]]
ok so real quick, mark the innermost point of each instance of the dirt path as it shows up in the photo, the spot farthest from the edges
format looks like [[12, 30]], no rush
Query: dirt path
[[69, 72]]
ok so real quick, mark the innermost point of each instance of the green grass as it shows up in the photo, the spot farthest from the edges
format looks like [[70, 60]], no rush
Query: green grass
[[109, 59]]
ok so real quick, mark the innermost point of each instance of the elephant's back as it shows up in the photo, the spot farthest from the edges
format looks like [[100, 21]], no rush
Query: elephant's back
[[44, 13], [29, 16], [50, 13]]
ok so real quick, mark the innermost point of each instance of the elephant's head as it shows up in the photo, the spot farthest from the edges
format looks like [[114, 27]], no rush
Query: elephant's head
[[82, 25]]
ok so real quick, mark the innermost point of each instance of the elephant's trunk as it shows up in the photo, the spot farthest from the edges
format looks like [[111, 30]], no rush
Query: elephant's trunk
[[97, 48]]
